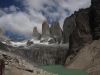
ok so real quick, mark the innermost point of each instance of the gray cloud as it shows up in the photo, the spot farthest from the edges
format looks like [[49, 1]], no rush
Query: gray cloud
[[22, 23]]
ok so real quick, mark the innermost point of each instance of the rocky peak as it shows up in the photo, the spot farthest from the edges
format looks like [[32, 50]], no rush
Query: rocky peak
[[1, 31], [36, 34], [45, 32], [35, 31], [45, 29], [56, 31], [69, 25]]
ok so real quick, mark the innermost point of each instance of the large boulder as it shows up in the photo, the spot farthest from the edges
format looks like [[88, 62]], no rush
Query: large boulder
[[69, 25], [45, 32], [36, 34], [56, 32]]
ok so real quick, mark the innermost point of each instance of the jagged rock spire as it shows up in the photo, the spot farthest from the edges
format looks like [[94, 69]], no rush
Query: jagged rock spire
[[36, 34], [45, 29], [1, 31], [56, 31]]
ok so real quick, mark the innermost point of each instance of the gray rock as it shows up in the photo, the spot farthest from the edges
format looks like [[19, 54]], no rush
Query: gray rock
[[69, 25], [81, 34], [56, 32], [29, 43], [45, 32], [46, 54], [95, 18], [36, 34]]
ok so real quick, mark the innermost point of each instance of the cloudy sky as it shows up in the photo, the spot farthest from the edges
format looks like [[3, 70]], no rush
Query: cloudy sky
[[18, 17]]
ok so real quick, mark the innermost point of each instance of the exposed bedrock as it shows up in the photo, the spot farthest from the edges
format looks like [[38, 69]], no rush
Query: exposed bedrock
[[36, 34], [84, 40], [69, 25], [1, 32], [56, 32], [81, 34], [88, 58], [95, 18], [45, 32], [46, 55]]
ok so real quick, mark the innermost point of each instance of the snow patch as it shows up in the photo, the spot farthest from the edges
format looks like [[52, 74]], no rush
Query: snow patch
[[38, 42], [17, 44]]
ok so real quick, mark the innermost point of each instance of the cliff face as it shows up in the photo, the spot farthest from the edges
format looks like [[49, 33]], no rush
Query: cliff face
[[36, 34], [1, 32], [81, 33], [95, 18], [46, 55], [56, 32], [69, 25], [45, 31], [76, 30], [51, 34], [83, 53]]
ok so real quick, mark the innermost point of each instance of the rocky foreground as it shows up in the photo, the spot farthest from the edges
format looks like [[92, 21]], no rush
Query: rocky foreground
[[15, 65]]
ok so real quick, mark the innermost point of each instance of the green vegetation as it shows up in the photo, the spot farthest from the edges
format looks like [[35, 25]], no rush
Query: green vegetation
[[57, 69]]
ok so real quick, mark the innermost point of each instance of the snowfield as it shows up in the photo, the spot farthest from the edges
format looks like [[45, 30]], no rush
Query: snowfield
[[17, 44]]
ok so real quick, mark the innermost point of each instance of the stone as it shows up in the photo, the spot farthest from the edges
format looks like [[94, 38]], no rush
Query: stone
[[18, 66], [88, 59], [51, 41], [56, 32], [69, 25], [95, 18], [45, 32], [1, 31], [3, 37], [36, 34], [29, 43], [81, 34], [46, 54], [84, 41]]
